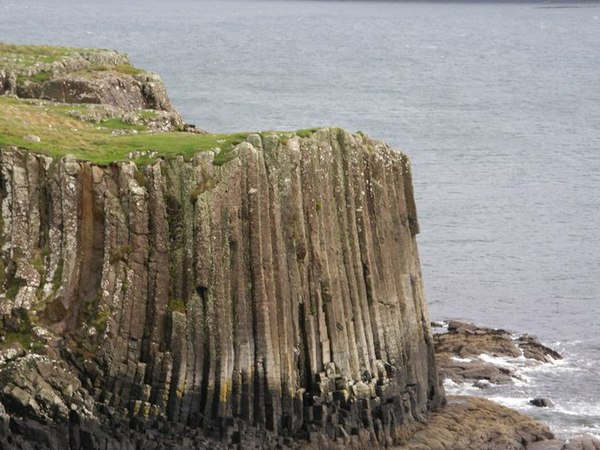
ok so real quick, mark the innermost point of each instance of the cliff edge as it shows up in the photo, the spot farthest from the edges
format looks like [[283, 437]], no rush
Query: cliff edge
[[184, 290], [281, 290]]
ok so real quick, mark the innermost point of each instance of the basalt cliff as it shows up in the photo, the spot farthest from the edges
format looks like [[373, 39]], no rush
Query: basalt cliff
[[177, 290], [281, 290]]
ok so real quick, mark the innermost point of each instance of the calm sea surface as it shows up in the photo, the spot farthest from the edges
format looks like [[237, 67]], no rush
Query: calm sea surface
[[497, 104]]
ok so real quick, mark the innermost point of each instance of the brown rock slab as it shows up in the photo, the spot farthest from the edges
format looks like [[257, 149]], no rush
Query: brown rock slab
[[470, 423]]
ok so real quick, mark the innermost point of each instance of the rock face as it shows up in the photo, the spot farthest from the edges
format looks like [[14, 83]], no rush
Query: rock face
[[273, 301]]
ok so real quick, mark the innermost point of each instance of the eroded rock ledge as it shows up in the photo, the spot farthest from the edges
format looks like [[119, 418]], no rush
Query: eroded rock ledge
[[460, 346], [103, 78], [274, 301]]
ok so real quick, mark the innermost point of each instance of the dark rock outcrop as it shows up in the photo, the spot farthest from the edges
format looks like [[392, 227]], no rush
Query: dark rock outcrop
[[275, 301], [541, 402], [268, 296]]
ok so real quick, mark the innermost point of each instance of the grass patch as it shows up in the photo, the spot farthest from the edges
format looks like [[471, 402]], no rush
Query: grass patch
[[12, 289], [306, 132], [101, 321], [116, 123], [61, 134], [125, 69], [148, 114], [24, 339], [38, 77], [224, 156], [38, 263], [57, 277], [27, 55]]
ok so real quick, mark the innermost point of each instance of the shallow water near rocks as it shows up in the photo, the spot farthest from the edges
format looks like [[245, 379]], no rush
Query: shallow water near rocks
[[498, 106]]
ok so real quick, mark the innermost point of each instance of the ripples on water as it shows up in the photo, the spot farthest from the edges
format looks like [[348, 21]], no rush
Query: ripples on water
[[497, 104]]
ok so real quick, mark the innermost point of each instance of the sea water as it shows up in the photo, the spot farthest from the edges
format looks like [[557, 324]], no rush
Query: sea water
[[498, 105]]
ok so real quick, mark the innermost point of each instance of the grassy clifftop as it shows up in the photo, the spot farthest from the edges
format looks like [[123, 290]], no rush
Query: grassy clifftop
[[62, 129], [12, 55], [57, 101]]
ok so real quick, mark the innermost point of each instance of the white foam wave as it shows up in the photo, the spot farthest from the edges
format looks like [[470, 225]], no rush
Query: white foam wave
[[573, 431], [461, 360], [454, 388], [570, 416], [505, 362], [521, 380], [519, 403], [516, 366], [580, 410]]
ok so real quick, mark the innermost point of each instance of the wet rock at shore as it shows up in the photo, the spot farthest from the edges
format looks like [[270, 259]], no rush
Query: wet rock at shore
[[586, 442], [541, 402], [468, 353]]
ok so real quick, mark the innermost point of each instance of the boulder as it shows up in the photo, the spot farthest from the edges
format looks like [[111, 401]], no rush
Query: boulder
[[541, 402]]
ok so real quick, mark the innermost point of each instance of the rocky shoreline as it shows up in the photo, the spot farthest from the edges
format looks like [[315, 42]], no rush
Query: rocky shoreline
[[460, 346], [465, 354]]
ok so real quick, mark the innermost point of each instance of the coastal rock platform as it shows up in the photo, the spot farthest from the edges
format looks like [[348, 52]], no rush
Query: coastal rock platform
[[464, 352]]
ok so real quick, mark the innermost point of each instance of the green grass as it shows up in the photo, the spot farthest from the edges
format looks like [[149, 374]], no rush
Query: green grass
[[306, 132], [26, 55], [148, 114], [125, 69], [65, 128], [22, 338], [38, 77], [116, 123], [61, 134]]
